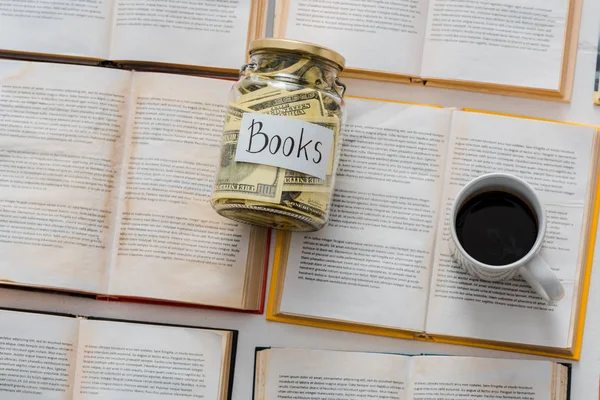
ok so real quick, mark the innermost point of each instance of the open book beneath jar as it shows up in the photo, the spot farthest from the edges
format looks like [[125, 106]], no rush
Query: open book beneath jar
[[105, 180], [515, 47], [382, 264], [210, 35]]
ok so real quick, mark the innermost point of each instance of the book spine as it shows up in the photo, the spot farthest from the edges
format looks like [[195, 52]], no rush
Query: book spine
[[256, 350], [111, 64], [234, 343]]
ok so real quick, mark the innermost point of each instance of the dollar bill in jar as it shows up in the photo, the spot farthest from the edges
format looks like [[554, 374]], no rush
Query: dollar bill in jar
[[282, 137]]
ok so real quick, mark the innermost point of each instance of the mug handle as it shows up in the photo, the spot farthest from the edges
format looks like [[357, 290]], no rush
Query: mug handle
[[541, 278]]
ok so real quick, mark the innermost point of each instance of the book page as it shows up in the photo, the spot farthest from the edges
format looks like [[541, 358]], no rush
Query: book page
[[375, 251], [210, 33], [69, 28], [331, 375], [556, 160], [172, 244], [119, 360], [380, 36], [457, 378], [60, 136], [507, 42], [37, 356]]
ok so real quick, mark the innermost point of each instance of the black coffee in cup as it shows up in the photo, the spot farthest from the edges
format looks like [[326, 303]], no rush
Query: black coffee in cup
[[496, 227]]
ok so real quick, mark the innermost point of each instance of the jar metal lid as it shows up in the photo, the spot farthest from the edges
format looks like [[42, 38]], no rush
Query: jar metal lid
[[298, 46]]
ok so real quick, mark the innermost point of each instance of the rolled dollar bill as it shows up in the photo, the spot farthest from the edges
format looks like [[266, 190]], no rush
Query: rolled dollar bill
[[312, 204], [301, 103], [239, 180]]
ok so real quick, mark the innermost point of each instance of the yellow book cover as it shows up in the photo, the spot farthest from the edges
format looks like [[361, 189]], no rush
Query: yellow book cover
[[319, 291]]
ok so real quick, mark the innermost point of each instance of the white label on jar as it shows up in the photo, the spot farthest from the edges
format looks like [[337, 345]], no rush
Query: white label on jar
[[285, 142]]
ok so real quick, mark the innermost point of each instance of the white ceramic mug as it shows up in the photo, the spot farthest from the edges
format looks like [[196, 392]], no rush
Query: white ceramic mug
[[531, 266]]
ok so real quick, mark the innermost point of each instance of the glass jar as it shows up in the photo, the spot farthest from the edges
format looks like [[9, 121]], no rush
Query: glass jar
[[282, 137]]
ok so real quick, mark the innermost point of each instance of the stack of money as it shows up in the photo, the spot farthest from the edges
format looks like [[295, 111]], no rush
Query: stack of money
[[296, 87]]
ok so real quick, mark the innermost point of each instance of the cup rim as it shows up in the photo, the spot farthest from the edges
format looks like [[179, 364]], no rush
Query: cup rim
[[541, 223]]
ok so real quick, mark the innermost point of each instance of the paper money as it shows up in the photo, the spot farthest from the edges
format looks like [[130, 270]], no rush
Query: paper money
[[288, 65], [313, 75], [310, 204], [302, 103], [298, 182], [248, 86], [238, 180], [260, 94], [235, 113], [298, 201]]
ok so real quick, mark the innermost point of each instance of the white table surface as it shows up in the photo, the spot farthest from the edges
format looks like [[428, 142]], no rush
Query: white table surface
[[256, 331]]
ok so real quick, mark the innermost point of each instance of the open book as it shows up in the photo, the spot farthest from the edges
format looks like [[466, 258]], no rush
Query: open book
[[212, 34], [105, 181], [55, 357], [316, 374], [515, 47], [382, 264]]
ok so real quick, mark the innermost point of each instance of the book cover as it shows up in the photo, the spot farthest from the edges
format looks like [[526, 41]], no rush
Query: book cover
[[299, 312]]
